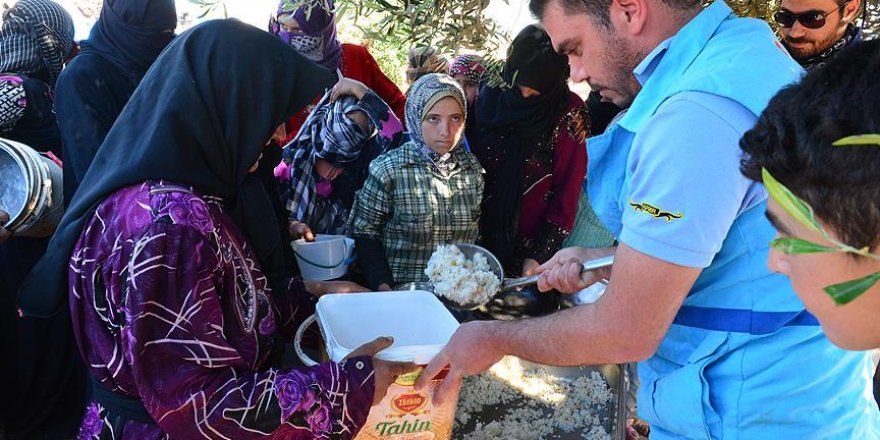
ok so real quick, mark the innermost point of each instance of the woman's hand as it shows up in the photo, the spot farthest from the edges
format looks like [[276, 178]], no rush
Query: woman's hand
[[299, 230], [319, 288], [5, 234], [530, 267], [385, 372], [348, 86]]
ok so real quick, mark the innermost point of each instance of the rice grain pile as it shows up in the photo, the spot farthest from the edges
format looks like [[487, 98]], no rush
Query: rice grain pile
[[459, 279], [529, 404]]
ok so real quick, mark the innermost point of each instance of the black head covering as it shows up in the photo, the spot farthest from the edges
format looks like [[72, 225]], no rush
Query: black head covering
[[132, 33], [522, 123], [201, 116], [531, 62]]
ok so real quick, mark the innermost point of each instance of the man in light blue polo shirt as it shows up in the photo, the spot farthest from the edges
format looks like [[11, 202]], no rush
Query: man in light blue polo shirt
[[726, 348]]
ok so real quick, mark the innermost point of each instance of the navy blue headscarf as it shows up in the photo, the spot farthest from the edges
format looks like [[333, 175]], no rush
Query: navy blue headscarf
[[132, 33], [93, 89], [201, 116]]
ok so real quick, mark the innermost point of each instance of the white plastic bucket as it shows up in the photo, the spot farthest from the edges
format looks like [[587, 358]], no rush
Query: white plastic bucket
[[418, 321], [326, 258], [30, 190], [421, 327]]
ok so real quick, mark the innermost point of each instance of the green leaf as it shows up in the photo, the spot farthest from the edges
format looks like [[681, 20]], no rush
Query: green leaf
[[845, 292], [791, 245], [790, 203], [862, 139], [208, 10]]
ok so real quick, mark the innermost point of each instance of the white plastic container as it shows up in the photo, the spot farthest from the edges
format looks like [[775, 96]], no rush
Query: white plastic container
[[326, 258], [421, 327]]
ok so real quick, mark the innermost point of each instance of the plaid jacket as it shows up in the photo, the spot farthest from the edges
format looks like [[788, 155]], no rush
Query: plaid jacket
[[411, 208]]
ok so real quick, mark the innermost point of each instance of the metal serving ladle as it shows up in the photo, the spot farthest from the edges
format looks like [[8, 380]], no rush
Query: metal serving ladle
[[470, 250]]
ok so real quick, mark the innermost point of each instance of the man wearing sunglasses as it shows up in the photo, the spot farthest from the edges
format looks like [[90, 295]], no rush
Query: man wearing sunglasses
[[814, 31]]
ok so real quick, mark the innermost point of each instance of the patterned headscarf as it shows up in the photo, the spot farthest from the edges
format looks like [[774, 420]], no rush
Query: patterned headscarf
[[470, 66], [327, 134], [317, 39], [420, 99], [36, 34], [424, 60]]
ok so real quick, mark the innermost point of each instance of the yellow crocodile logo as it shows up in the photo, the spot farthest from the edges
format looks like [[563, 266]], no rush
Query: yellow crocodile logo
[[655, 212]]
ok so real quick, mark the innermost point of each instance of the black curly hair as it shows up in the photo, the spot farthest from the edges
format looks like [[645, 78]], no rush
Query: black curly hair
[[794, 135]]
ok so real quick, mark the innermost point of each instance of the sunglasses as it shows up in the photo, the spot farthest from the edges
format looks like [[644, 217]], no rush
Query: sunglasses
[[809, 19]]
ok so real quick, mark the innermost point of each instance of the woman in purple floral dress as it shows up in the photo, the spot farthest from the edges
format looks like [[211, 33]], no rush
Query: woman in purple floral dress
[[176, 282]]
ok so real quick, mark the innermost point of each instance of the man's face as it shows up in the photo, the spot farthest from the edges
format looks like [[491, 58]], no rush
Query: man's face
[[600, 56], [852, 326], [803, 42]]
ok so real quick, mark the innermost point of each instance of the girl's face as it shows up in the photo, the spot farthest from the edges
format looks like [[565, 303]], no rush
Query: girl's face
[[443, 126], [527, 92], [470, 87], [288, 24], [326, 169]]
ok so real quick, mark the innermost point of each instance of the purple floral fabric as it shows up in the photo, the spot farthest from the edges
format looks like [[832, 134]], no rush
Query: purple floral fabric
[[169, 305]]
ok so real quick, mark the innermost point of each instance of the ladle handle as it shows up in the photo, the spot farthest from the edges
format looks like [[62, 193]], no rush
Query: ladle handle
[[597, 263]]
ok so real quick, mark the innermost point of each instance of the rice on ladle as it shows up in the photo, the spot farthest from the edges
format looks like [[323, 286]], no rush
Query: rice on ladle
[[459, 279]]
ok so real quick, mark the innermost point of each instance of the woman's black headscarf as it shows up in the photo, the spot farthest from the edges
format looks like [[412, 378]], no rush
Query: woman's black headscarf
[[523, 123], [132, 33], [201, 116]]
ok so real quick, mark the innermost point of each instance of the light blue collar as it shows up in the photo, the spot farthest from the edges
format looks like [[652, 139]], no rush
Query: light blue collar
[[647, 67], [666, 64]]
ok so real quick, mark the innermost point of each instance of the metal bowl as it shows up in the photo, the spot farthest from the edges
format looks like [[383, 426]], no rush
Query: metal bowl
[[14, 185], [420, 285], [527, 302], [588, 295]]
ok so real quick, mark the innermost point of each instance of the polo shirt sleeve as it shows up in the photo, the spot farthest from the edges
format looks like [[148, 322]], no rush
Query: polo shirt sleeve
[[685, 188]]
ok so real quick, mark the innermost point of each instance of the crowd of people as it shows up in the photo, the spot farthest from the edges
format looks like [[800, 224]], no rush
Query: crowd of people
[[163, 303]]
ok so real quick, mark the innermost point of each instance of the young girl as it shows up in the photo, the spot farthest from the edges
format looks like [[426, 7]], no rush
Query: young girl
[[425, 193]]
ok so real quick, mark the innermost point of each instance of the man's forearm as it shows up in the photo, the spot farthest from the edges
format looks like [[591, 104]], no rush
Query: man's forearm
[[577, 336], [625, 325]]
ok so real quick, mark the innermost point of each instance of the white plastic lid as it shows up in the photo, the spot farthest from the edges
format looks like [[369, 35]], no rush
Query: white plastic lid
[[419, 323]]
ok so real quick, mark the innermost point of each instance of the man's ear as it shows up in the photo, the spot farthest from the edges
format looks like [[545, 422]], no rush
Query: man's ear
[[851, 10], [629, 16]]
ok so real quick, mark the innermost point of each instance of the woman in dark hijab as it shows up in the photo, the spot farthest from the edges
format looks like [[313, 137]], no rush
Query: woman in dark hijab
[[170, 254], [530, 139], [92, 90], [39, 390], [310, 28]]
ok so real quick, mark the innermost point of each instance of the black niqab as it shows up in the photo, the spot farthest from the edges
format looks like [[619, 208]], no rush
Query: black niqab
[[517, 125], [132, 33], [201, 116]]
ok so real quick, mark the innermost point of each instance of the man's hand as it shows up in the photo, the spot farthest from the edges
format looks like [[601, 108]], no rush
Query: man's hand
[[5, 234], [299, 230], [563, 271], [348, 86], [385, 372], [469, 351], [320, 288]]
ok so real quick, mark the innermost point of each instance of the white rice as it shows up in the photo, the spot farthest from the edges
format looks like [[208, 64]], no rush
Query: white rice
[[535, 404], [459, 279]]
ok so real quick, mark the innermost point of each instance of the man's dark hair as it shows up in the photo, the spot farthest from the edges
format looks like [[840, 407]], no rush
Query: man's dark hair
[[793, 141], [599, 10]]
